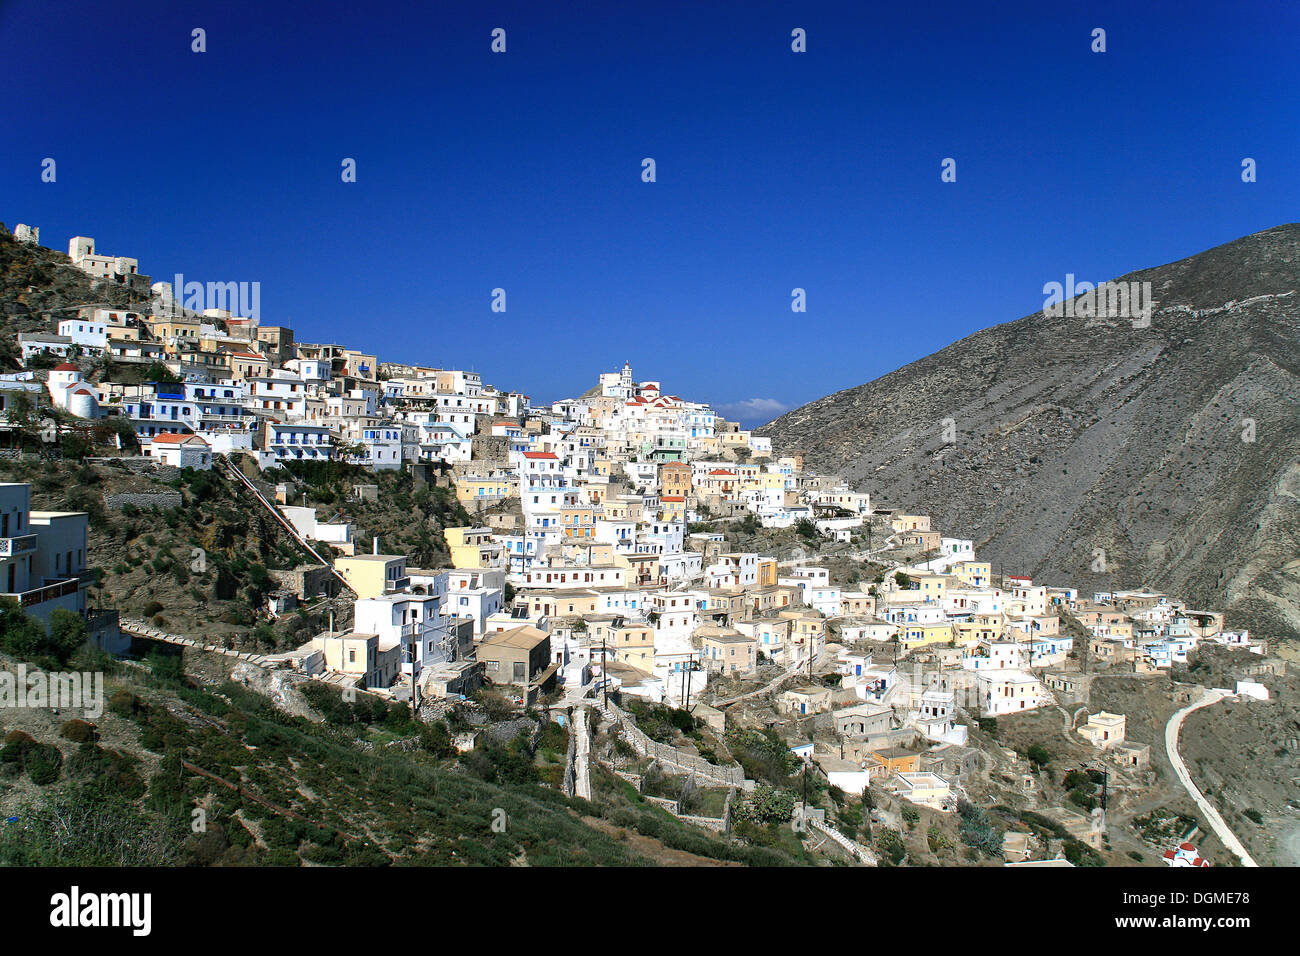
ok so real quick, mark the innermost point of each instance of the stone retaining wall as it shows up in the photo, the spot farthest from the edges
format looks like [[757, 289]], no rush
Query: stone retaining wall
[[144, 500]]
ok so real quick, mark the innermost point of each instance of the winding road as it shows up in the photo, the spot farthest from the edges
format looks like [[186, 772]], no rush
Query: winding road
[[1221, 830]]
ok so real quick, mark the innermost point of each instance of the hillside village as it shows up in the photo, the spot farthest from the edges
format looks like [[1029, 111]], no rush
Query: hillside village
[[678, 593]]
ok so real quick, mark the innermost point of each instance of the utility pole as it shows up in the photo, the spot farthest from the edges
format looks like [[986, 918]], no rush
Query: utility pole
[[415, 687], [805, 782], [604, 673]]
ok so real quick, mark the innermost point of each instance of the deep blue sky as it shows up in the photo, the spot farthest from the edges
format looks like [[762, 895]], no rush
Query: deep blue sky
[[775, 170]]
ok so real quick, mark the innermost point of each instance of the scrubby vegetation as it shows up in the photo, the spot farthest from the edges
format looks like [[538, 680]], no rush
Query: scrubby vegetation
[[763, 755], [208, 565], [305, 792]]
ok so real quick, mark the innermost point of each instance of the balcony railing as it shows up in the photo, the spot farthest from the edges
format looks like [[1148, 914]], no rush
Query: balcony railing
[[49, 592], [20, 544]]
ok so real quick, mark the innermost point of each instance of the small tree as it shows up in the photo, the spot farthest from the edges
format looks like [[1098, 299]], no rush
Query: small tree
[[890, 844], [125, 433], [157, 372], [22, 416], [75, 447], [767, 805], [67, 633]]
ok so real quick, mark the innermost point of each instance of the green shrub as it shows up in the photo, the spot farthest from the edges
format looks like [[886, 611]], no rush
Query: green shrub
[[1038, 755], [1080, 854], [1083, 799], [889, 843], [43, 762], [765, 805], [124, 703], [78, 731], [978, 831], [17, 745], [936, 839]]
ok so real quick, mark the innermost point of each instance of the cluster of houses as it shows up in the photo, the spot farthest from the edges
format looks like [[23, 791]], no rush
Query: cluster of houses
[[1149, 631], [594, 514], [239, 386], [585, 507]]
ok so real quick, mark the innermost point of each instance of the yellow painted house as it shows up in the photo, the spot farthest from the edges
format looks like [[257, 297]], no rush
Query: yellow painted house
[[373, 575], [486, 489], [633, 644], [471, 547], [931, 586], [245, 365], [976, 574], [904, 522], [893, 760], [912, 636], [980, 627], [360, 656], [164, 327], [672, 507]]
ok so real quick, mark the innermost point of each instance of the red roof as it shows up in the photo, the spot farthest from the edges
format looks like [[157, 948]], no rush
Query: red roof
[[167, 438], [538, 454], [671, 498], [723, 471], [66, 367]]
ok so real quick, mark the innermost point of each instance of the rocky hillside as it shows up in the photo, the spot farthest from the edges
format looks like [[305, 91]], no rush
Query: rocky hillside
[[1085, 443], [35, 280]]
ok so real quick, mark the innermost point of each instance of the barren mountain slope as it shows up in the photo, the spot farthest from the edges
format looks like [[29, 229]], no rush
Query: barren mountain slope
[[1079, 438]]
